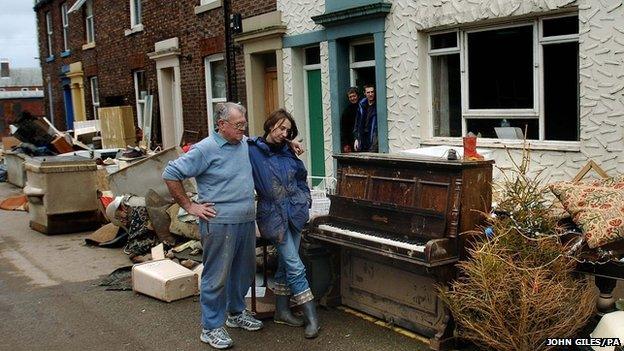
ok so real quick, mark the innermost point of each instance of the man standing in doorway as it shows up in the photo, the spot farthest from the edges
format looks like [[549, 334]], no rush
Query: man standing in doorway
[[366, 123], [220, 165], [347, 120]]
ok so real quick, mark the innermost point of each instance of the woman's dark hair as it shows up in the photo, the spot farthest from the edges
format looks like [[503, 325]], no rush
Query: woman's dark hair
[[277, 116], [353, 90]]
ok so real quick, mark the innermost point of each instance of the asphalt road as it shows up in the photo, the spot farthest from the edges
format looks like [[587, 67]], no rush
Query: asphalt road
[[50, 300]]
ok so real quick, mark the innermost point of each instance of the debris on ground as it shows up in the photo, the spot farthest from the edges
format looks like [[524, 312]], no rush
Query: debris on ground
[[119, 279]]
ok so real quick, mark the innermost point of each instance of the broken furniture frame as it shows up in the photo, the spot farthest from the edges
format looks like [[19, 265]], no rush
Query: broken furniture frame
[[260, 305]]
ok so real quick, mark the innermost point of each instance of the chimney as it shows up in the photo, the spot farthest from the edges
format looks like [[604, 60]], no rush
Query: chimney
[[4, 68]]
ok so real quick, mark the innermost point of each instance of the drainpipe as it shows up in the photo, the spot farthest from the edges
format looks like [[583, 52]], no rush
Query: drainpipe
[[230, 54]]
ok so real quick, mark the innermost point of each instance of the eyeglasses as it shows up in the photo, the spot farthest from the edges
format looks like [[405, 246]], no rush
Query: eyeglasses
[[239, 125]]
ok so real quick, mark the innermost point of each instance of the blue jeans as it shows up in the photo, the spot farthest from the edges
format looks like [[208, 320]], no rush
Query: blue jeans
[[290, 269], [229, 260]]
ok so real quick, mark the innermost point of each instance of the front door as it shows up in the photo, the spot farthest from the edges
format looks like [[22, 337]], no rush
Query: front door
[[315, 122], [67, 101], [270, 91]]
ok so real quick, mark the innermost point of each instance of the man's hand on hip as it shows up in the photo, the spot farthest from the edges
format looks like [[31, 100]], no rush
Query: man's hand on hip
[[205, 211]]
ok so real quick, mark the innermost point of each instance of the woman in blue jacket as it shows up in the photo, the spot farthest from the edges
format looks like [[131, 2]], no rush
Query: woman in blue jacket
[[283, 209]]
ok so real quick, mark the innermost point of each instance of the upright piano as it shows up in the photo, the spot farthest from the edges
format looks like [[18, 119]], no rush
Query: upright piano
[[396, 221]]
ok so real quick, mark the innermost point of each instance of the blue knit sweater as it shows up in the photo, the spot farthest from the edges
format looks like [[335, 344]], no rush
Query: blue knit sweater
[[223, 174]]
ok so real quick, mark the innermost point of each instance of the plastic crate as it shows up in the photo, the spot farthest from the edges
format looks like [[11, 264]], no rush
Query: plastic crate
[[320, 207], [320, 187]]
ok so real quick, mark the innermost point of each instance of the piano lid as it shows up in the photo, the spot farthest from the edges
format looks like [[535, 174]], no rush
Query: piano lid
[[409, 160]]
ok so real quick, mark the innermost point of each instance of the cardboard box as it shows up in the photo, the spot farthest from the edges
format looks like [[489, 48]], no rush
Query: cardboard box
[[61, 145], [164, 280], [117, 127], [9, 142]]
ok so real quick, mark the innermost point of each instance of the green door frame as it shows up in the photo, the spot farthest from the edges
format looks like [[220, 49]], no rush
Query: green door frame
[[315, 123]]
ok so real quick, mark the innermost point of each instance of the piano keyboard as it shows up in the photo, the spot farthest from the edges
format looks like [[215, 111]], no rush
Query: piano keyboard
[[376, 239]]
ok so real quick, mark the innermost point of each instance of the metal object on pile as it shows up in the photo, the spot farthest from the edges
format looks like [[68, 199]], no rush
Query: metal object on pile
[[62, 194], [16, 173], [142, 176]]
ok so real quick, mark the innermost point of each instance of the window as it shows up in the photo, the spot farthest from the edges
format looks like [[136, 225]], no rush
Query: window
[[89, 26], [95, 96], [140, 92], [312, 55], [362, 63], [48, 17], [65, 21], [215, 85], [135, 13], [501, 81], [446, 85]]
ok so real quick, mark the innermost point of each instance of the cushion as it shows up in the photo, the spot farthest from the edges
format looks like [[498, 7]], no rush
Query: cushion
[[616, 182], [559, 213], [597, 210]]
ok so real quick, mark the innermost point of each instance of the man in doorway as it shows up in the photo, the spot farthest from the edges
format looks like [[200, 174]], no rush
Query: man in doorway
[[220, 165], [347, 120], [366, 122]]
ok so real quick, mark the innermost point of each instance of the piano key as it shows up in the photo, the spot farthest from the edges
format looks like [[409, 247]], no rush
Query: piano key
[[372, 238]]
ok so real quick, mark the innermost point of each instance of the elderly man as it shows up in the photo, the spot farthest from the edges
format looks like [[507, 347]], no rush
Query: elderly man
[[221, 167]]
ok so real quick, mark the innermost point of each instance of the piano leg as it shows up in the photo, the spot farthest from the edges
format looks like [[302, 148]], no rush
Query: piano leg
[[606, 301], [444, 340]]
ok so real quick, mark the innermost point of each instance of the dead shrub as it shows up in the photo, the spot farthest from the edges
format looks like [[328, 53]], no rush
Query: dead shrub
[[518, 286]]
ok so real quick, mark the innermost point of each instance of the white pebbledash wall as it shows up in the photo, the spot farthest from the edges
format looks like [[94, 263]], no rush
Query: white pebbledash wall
[[296, 14], [601, 47]]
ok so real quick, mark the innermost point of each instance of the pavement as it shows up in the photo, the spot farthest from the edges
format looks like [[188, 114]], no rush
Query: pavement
[[50, 300]]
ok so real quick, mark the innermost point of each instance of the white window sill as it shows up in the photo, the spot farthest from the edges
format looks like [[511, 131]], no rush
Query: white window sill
[[208, 5], [542, 145], [88, 46], [134, 29]]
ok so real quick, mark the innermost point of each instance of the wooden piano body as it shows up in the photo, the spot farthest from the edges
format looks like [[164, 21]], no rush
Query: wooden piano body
[[397, 220]]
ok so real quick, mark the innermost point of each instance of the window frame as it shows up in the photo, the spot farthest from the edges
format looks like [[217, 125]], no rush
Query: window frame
[[95, 95], [210, 100], [520, 113], [89, 22], [359, 64], [140, 103], [134, 22], [537, 112], [65, 24], [49, 32]]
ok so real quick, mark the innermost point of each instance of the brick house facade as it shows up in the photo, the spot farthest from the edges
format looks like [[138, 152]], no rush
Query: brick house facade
[[21, 90], [120, 49]]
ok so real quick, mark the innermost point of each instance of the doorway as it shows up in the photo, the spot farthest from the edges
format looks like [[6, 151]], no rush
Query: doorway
[[68, 104], [170, 106]]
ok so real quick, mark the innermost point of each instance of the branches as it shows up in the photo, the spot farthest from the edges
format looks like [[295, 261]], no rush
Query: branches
[[517, 288]]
